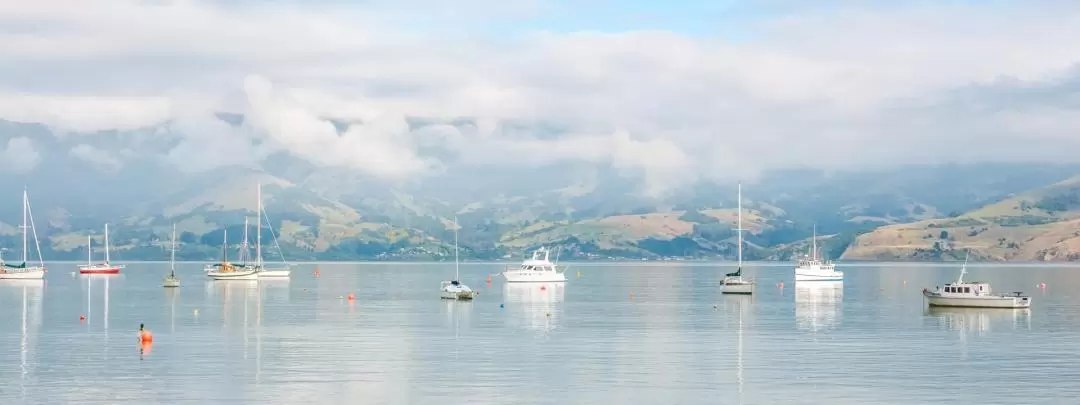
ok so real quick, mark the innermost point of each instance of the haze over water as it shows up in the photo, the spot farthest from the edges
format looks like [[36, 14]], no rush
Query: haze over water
[[618, 333]]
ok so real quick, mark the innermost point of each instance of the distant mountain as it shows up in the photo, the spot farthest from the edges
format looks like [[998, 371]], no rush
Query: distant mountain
[[1037, 225], [137, 182]]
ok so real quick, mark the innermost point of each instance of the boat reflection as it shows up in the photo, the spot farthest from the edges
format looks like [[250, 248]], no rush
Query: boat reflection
[[739, 304], [30, 293], [102, 279], [538, 301], [979, 320], [818, 304]]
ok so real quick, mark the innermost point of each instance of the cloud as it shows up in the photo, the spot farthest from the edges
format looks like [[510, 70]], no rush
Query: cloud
[[102, 159], [19, 155], [845, 86]]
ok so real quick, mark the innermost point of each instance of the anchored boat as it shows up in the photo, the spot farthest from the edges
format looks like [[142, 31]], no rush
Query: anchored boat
[[973, 294]]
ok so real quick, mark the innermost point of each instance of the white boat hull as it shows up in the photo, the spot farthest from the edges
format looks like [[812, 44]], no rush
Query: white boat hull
[[27, 274], [517, 276], [234, 275], [171, 283], [274, 273], [737, 286], [990, 301], [809, 275]]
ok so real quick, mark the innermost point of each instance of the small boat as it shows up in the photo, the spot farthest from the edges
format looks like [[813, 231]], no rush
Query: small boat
[[98, 268], [734, 283], [265, 272], [23, 271], [171, 281], [454, 290], [973, 294], [230, 271], [812, 268], [538, 269]]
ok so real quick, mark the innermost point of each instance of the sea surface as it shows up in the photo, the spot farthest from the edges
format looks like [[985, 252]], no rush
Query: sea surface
[[616, 333]]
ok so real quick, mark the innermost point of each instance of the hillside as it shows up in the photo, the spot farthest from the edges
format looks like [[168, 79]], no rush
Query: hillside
[[1038, 225]]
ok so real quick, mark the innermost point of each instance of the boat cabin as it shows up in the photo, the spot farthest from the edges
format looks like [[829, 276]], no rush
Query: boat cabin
[[971, 288]]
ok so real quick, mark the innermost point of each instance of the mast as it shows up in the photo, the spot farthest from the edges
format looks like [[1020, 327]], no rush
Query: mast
[[25, 203], [813, 243], [89, 250], [106, 243], [225, 246], [244, 245], [456, 263], [740, 226], [258, 226], [963, 269], [172, 254]]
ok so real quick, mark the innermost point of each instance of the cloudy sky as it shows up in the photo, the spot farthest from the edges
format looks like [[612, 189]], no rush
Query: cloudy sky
[[669, 91]]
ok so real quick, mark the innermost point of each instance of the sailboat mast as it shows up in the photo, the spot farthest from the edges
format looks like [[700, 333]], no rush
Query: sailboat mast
[[172, 254], [740, 226], [25, 203], [243, 246], [225, 246], [813, 243], [258, 225], [106, 243], [457, 272], [89, 250]]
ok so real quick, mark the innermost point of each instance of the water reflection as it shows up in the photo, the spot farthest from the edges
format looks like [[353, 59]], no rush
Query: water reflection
[[103, 281], [817, 304], [740, 304], [538, 301], [30, 293], [979, 320]]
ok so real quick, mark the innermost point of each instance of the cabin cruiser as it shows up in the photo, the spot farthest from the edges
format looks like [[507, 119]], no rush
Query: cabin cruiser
[[973, 294], [538, 269], [812, 268]]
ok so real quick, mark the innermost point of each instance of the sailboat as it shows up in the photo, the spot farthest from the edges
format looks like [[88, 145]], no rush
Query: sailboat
[[98, 268], [264, 272], [734, 283], [228, 271], [22, 270], [454, 290], [171, 280]]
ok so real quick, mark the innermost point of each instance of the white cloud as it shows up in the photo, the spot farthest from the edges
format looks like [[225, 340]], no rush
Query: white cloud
[[19, 155], [102, 159], [844, 88]]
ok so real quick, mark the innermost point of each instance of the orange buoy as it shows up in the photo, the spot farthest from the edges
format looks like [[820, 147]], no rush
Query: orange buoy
[[144, 335], [351, 297], [82, 317], [489, 278]]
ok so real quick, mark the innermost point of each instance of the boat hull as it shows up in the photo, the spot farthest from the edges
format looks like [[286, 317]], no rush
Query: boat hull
[[737, 287], [171, 283], [514, 276], [111, 270], [801, 275], [993, 301], [274, 273], [233, 275], [28, 274]]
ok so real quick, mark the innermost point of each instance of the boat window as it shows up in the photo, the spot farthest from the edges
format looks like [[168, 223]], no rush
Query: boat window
[[967, 290]]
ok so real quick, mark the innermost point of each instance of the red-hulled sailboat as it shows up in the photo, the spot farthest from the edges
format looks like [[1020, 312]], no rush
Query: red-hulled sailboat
[[99, 268]]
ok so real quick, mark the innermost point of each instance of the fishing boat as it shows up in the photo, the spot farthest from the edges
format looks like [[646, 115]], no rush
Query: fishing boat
[[734, 283], [229, 271], [105, 267], [813, 268], [264, 271], [538, 269], [171, 281], [973, 294], [454, 289], [23, 270]]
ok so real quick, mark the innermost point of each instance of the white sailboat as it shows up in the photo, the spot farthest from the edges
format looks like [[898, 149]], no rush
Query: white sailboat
[[812, 268], [734, 283], [98, 268], [171, 281], [228, 271], [267, 272], [23, 270], [454, 289]]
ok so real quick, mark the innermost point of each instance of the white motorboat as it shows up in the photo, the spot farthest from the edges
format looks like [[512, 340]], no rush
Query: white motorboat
[[454, 289], [812, 268], [734, 283], [25, 271], [973, 294], [538, 269]]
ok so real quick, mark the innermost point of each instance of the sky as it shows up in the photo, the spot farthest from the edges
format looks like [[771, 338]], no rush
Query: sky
[[668, 92]]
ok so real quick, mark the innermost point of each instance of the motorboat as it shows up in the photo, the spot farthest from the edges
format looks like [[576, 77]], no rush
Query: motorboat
[[973, 294], [537, 269]]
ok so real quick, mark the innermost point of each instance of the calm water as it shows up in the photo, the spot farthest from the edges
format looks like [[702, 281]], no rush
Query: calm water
[[649, 334]]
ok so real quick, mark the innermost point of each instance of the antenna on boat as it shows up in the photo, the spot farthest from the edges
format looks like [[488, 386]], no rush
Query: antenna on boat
[[963, 268]]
